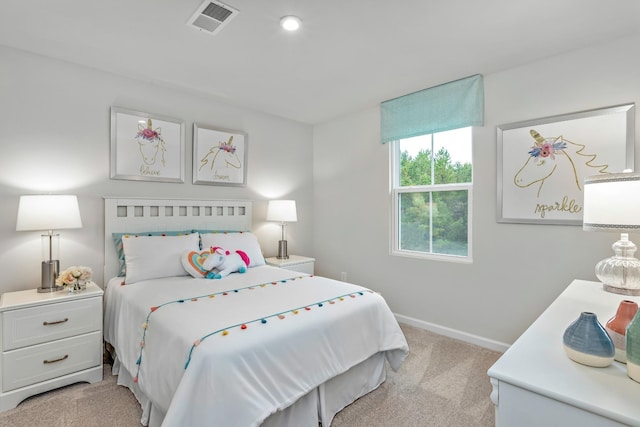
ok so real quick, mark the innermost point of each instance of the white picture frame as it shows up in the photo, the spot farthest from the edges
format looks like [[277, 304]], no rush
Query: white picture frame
[[219, 156], [146, 147], [542, 163]]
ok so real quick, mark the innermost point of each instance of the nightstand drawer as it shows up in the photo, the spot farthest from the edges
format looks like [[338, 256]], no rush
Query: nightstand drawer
[[302, 268], [35, 325], [46, 361], [298, 263]]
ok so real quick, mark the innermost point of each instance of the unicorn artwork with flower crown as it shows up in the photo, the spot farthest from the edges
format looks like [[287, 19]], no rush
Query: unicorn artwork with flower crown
[[554, 158], [220, 158], [151, 145]]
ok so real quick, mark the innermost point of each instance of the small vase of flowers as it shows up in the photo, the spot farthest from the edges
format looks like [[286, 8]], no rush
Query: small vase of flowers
[[75, 278]]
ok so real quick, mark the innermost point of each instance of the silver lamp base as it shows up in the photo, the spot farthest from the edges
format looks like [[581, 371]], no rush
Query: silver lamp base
[[50, 270], [282, 250], [621, 290]]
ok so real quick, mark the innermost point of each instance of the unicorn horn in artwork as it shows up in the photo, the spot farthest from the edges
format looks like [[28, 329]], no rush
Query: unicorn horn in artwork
[[148, 123], [539, 139], [230, 140]]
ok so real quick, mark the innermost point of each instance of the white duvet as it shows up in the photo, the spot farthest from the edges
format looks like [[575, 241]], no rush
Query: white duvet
[[231, 352]]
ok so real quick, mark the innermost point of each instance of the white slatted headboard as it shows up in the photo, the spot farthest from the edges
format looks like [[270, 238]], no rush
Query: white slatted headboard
[[131, 215]]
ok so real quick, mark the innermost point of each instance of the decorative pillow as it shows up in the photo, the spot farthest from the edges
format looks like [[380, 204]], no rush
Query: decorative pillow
[[152, 257], [211, 231], [117, 240], [235, 241], [192, 262]]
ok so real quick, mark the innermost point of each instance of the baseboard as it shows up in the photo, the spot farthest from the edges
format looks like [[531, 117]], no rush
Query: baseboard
[[453, 333]]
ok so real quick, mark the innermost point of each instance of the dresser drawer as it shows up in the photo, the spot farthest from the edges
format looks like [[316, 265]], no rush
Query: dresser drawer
[[42, 362], [36, 325]]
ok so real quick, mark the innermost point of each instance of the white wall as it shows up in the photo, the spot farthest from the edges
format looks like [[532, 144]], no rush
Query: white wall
[[518, 269], [54, 137]]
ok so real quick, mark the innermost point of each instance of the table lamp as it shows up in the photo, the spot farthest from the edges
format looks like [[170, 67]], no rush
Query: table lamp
[[283, 211], [48, 212], [612, 203]]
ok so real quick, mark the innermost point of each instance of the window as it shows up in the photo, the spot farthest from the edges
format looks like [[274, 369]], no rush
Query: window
[[430, 134], [432, 193]]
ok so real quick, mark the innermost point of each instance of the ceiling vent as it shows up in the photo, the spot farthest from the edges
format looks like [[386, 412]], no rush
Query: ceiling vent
[[212, 16]]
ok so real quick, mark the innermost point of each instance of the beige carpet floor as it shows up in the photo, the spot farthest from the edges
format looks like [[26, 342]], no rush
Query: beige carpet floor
[[443, 382]]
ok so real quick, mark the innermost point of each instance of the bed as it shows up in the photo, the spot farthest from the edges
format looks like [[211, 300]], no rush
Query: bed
[[269, 347]]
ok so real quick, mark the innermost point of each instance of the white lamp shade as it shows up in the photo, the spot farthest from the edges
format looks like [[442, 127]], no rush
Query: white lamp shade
[[612, 202], [48, 212], [282, 210]]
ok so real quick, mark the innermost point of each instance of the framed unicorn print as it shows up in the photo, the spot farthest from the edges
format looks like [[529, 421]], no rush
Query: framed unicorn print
[[542, 163], [146, 147], [219, 156]]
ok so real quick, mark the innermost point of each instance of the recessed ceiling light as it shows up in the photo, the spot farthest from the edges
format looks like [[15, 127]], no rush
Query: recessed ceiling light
[[290, 23]]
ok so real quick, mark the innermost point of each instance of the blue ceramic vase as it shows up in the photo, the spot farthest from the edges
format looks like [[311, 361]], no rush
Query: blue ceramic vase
[[633, 348], [587, 342]]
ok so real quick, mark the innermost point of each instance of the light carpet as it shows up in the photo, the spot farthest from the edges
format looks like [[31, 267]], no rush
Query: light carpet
[[443, 382]]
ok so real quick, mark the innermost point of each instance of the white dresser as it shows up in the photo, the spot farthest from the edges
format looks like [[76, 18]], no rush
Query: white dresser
[[536, 384], [48, 340]]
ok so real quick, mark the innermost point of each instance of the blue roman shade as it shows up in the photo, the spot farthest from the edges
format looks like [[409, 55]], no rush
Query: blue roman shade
[[453, 105]]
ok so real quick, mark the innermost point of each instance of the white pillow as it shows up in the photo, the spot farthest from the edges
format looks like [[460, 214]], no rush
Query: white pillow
[[236, 241], [152, 257]]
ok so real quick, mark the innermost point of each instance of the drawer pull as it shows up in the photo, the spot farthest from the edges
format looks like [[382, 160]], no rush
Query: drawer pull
[[66, 356], [45, 323]]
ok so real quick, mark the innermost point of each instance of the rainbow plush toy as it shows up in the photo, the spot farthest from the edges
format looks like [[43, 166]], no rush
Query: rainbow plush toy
[[220, 263]]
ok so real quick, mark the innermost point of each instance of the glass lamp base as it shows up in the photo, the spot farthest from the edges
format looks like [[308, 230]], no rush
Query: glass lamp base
[[48, 290], [621, 290], [620, 274]]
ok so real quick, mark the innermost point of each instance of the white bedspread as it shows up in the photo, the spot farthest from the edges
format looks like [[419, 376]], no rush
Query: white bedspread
[[265, 338]]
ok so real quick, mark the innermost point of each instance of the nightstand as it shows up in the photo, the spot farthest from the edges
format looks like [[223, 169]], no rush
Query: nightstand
[[49, 340], [294, 262]]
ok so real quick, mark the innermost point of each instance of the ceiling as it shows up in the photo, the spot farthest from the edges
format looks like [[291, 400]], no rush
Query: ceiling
[[348, 55]]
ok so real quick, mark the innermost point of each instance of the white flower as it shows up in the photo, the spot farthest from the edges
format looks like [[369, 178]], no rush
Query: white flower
[[73, 275]]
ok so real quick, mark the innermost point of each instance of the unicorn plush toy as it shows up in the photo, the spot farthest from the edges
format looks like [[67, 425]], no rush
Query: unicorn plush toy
[[220, 263]]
